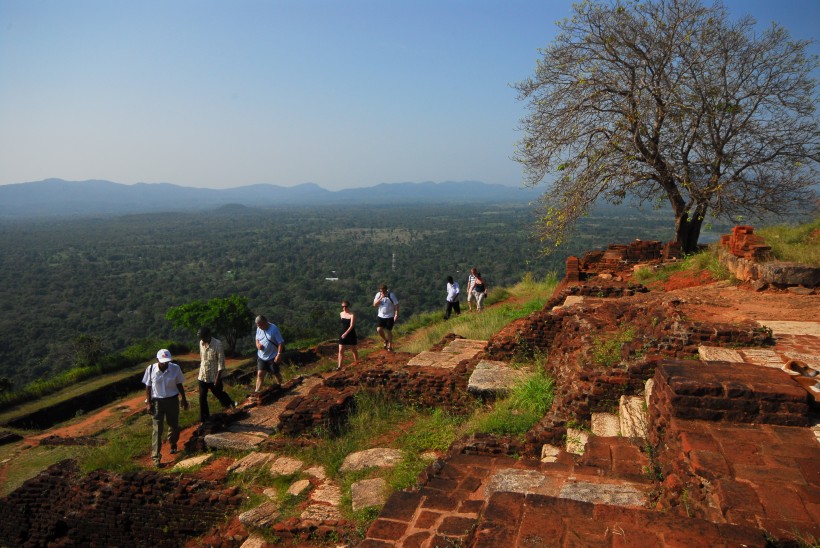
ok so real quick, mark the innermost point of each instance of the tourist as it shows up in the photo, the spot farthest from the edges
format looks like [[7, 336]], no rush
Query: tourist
[[269, 348], [479, 291], [452, 298], [348, 338], [388, 305], [470, 287], [211, 365], [164, 393]]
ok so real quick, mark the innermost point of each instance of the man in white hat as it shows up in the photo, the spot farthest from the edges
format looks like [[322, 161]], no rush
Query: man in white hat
[[163, 382]]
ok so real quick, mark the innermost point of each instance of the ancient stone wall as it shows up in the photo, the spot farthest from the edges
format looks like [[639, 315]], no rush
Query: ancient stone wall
[[617, 257], [327, 405], [749, 259], [61, 507], [568, 337]]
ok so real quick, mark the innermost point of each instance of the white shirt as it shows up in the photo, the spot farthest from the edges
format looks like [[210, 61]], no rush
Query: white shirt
[[387, 305], [163, 383], [452, 292]]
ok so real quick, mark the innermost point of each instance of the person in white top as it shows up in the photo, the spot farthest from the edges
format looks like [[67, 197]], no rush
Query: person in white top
[[164, 394], [452, 298], [388, 305]]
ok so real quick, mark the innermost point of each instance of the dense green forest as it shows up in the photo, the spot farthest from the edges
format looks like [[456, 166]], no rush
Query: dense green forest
[[115, 278]]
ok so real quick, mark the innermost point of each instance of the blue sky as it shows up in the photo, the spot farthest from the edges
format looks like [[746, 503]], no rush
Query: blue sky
[[215, 94]]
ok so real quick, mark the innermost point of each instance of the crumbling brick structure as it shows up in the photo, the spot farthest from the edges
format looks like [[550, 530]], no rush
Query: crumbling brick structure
[[61, 507], [568, 336], [616, 257], [743, 242]]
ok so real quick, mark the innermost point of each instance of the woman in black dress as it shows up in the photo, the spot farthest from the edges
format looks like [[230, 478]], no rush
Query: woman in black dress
[[348, 337]]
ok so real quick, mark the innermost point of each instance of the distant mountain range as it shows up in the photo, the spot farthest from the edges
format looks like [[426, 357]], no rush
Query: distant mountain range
[[56, 197]]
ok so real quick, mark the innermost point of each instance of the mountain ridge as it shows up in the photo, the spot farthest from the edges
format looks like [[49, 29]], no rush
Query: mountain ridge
[[59, 197]]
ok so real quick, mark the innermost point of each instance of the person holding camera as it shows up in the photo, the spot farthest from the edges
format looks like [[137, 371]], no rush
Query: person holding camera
[[388, 305]]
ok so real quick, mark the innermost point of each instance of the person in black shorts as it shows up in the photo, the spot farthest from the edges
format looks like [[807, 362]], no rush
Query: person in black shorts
[[388, 305], [269, 347]]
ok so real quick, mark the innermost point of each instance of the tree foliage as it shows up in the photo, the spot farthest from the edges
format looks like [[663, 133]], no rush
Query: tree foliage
[[669, 100], [228, 317]]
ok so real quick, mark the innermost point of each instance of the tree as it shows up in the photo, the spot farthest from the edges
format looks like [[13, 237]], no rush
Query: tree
[[228, 317], [669, 100], [88, 350]]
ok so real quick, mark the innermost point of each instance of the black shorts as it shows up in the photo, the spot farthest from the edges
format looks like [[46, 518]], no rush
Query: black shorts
[[267, 365], [386, 323]]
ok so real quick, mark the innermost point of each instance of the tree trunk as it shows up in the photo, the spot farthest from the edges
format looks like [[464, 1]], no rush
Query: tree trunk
[[687, 229]]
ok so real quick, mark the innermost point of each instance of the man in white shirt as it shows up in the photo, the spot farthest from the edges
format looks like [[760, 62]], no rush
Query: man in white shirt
[[163, 382]]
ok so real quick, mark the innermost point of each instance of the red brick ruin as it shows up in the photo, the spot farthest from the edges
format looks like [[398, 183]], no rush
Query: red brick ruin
[[728, 458]]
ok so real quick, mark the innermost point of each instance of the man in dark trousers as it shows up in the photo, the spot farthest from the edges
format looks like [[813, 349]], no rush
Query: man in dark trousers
[[164, 394], [211, 366]]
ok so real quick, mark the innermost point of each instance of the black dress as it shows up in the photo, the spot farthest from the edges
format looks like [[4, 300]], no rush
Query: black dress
[[351, 339]]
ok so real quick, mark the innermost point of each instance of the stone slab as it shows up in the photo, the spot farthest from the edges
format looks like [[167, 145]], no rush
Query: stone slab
[[616, 494], [576, 440], [285, 466], [465, 346], [377, 457], [514, 480], [236, 441], [317, 472], [193, 461], [254, 541], [264, 515], [321, 512], [434, 359], [792, 328], [605, 424], [762, 356], [251, 460], [632, 417], [549, 453], [718, 354], [367, 493], [328, 493], [494, 378], [298, 487]]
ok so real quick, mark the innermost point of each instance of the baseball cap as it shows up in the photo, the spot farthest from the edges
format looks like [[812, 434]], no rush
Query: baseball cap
[[164, 356]]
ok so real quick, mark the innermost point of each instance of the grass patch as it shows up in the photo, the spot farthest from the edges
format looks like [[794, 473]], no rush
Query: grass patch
[[794, 243], [32, 462], [431, 432], [697, 262], [534, 295], [606, 349], [374, 415], [528, 402]]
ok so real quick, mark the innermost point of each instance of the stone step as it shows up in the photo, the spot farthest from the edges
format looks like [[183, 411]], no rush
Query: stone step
[[494, 378], [451, 355]]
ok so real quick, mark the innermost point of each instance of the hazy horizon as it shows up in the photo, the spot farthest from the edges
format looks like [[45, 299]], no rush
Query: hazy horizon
[[214, 94]]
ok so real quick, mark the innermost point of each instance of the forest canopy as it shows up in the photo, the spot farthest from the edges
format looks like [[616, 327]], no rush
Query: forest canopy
[[113, 280]]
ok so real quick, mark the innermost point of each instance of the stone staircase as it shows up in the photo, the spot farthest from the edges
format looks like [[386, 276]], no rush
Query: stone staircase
[[258, 422]]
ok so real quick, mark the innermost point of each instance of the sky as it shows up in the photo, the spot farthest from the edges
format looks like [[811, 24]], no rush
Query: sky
[[219, 94]]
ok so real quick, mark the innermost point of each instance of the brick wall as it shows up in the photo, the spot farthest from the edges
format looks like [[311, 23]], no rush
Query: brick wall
[[567, 336], [61, 507]]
